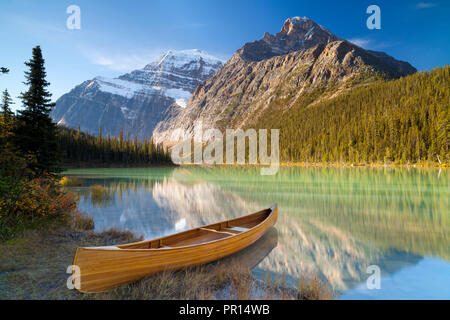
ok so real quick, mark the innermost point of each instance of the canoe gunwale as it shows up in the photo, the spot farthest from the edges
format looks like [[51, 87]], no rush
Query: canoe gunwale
[[168, 248]]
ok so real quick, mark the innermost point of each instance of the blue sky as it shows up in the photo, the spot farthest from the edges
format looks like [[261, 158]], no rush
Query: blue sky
[[119, 36]]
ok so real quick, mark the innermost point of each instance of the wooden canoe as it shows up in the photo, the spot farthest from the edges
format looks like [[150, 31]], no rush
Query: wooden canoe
[[104, 268]]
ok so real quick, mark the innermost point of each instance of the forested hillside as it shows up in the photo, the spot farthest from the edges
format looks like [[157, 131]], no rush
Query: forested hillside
[[401, 121], [79, 147]]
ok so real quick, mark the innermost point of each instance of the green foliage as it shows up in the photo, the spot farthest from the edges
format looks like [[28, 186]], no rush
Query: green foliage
[[79, 147], [401, 121]]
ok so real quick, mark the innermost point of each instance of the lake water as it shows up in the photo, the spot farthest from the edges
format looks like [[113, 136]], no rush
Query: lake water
[[333, 222]]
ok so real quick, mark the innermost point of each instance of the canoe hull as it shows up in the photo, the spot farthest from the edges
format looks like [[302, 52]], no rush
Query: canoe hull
[[103, 269]]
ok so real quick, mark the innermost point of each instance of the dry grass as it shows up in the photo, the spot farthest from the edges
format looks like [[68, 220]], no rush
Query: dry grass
[[34, 267], [312, 288], [81, 221], [223, 280]]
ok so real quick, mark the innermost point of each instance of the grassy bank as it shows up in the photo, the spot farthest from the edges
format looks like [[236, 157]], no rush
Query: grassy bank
[[33, 266]]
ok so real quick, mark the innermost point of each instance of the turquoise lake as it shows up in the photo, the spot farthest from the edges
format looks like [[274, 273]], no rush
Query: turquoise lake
[[333, 222]]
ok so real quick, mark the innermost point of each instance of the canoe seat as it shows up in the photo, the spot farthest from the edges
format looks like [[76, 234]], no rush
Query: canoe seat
[[235, 230]]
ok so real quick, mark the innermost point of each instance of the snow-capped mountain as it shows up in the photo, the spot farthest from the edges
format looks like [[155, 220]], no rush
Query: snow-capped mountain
[[135, 102]]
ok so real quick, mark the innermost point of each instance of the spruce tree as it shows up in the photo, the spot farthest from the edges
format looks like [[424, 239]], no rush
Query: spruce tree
[[36, 133], [6, 102], [6, 120], [11, 163]]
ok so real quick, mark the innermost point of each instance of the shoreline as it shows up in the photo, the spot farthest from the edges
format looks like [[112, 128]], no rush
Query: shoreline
[[368, 165], [34, 267], [426, 165], [328, 165], [66, 166]]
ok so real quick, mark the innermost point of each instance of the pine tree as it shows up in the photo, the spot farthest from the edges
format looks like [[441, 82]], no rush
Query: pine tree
[[6, 117], [36, 133], [10, 161], [6, 102], [6, 120]]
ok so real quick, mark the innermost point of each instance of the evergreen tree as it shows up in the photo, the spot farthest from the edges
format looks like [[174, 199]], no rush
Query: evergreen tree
[[6, 121], [36, 133], [10, 161], [6, 102]]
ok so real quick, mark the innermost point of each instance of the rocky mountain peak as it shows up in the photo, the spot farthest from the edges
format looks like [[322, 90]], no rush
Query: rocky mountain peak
[[297, 33], [185, 60], [296, 24], [182, 69]]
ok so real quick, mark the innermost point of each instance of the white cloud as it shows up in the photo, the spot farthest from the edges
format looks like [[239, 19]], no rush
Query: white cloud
[[122, 62], [127, 61], [425, 5], [361, 42], [31, 24], [371, 44]]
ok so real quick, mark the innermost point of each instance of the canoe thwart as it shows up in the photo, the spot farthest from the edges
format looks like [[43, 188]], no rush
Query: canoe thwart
[[223, 232]]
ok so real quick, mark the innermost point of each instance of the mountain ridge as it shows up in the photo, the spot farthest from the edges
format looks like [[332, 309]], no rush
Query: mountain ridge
[[302, 62]]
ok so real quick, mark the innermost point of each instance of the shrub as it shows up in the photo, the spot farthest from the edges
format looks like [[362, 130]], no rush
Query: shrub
[[25, 204]]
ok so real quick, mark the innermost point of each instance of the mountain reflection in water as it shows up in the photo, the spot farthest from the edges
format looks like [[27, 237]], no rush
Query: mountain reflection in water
[[333, 222]]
